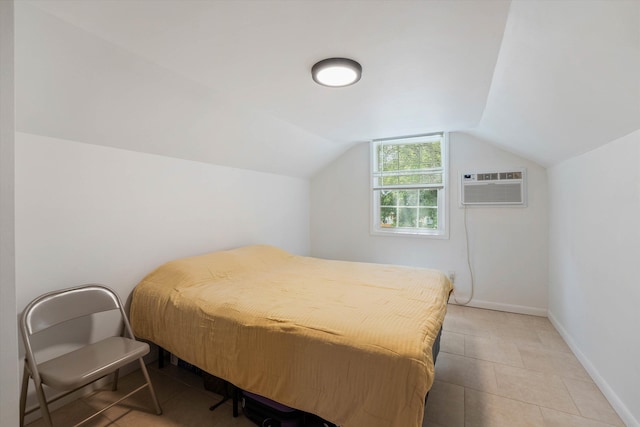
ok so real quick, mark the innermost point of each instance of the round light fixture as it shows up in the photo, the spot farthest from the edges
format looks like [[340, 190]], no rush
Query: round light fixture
[[336, 72]]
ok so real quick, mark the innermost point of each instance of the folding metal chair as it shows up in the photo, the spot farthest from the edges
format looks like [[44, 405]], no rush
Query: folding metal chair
[[78, 368]]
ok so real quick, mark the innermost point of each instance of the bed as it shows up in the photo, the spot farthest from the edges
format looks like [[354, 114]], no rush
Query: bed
[[350, 342]]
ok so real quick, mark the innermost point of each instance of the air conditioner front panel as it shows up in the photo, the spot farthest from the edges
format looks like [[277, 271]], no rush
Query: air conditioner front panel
[[493, 193], [493, 188]]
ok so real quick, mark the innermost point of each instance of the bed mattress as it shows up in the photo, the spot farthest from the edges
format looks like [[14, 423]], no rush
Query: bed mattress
[[350, 342]]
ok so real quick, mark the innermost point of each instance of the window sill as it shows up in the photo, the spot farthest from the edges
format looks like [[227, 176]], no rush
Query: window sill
[[441, 235]]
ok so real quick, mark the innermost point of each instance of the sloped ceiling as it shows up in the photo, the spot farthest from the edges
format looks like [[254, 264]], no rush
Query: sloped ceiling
[[567, 78], [228, 82]]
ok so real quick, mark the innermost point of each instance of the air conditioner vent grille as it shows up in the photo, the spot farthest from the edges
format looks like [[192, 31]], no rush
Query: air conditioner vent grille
[[493, 193]]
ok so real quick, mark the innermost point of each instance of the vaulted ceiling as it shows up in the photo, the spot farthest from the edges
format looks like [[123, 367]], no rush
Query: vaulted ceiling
[[228, 82]]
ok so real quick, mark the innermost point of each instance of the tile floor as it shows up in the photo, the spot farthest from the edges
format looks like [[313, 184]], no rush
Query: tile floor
[[494, 369]]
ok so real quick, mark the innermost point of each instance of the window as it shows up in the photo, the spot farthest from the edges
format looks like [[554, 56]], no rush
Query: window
[[409, 185]]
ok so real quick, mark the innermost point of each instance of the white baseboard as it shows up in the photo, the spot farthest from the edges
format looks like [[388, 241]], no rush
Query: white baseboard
[[618, 405], [511, 308]]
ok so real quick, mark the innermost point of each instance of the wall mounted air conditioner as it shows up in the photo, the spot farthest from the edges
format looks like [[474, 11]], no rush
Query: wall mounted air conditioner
[[491, 188]]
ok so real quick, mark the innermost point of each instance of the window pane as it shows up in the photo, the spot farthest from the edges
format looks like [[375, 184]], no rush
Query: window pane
[[409, 157], [434, 178], [388, 198], [408, 197], [429, 198], [430, 155], [428, 218], [407, 217], [422, 178], [389, 180], [388, 158], [404, 157], [388, 217], [409, 179]]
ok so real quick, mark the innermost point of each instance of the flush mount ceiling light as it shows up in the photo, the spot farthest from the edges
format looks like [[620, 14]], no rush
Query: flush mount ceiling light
[[336, 72]]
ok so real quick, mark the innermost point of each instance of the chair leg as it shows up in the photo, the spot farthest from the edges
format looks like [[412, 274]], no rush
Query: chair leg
[[44, 409], [151, 390], [23, 393], [114, 385]]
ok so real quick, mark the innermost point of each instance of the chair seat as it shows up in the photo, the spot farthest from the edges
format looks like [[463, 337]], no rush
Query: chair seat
[[91, 362]]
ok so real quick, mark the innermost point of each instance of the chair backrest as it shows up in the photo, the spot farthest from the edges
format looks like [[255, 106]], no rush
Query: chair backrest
[[60, 306]]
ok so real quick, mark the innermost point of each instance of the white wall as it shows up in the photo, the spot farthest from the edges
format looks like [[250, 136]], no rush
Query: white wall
[[593, 266], [508, 246], [87, 213], [8, 325]]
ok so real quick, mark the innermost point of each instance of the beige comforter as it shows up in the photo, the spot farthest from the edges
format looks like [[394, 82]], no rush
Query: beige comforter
[[350, 342]]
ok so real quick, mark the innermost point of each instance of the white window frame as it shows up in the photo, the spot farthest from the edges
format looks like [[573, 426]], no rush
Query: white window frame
[[443, 191]]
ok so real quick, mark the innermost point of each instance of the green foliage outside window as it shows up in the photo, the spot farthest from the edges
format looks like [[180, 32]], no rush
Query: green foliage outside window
[[399, 157], [418, 160]]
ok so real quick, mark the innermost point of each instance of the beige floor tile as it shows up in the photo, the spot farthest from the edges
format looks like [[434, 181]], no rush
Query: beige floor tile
[[229, 421], [552, 340], [488, 410], [190, 408], [492, 350], [458, 320], [168, 384], [538, 388], [480, 314], [591, 402], [515, 334], [451, 368], [140, 401], [73, 413], [554, 362], [182, 375], [466, 372], [455, 310], [165, 387], [529, 322], [452, 342], [515, 328], [553, 418], [466, 326], [445, 405]]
